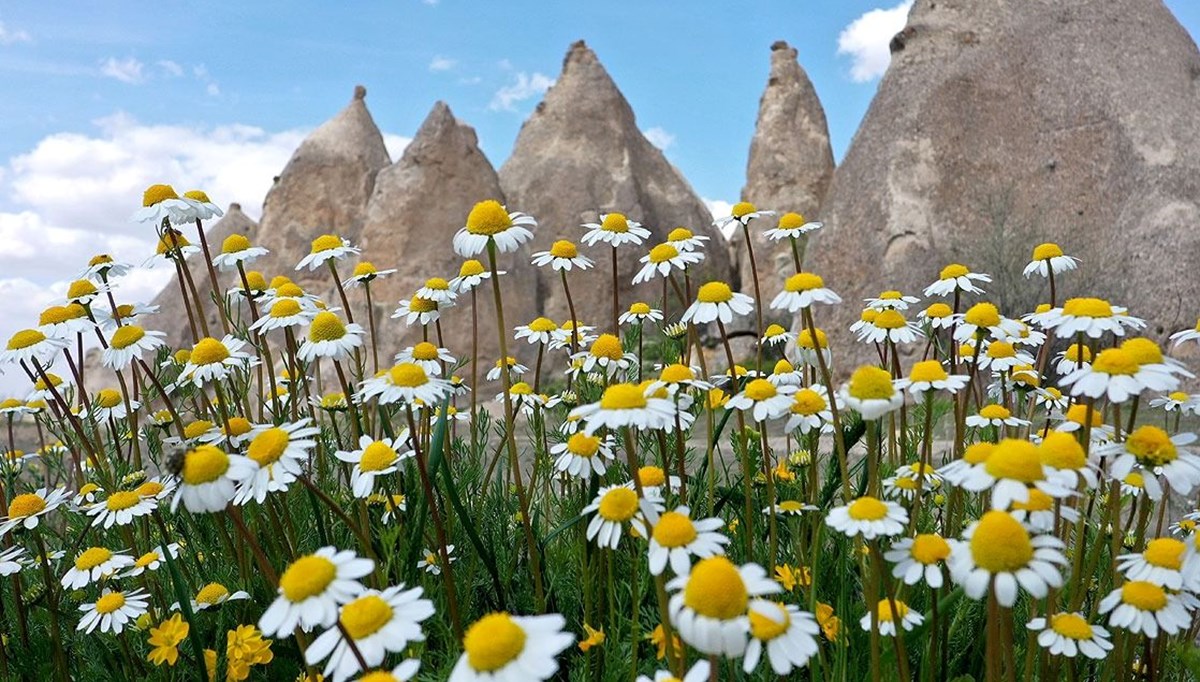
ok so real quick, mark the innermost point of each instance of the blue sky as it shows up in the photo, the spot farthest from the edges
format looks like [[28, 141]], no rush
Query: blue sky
[[99, 100]]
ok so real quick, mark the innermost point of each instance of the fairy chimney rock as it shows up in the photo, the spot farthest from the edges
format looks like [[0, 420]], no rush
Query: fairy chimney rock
[[790, 166], [580, 154], [417, 205], [1002, 125]]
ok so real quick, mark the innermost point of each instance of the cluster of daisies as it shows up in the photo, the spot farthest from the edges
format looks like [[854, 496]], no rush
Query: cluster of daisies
[[1026, 461]]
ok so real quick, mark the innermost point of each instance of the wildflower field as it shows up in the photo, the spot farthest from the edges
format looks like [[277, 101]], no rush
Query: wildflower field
[[1003, 495]]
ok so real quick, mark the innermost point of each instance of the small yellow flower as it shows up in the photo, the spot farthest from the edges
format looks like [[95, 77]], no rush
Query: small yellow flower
[[716, 398], [789, 577], [165, 639], [594, 637], [830, 624], [659, 639]]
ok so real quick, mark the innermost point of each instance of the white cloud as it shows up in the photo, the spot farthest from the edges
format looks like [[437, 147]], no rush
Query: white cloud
[[659, 137], [395, 145], [170, 68], [128, 70], [212, 89], [440, 63], [521, 89], [719, 208], [12, 36], [866, 40]]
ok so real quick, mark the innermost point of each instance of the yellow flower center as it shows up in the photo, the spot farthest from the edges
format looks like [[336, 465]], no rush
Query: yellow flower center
[[235, 243], [1046, 251], [55, 314], [196, 429], [158, 193], [108, 398], [927, 370], [954, 270], [676, 373], [983, 315], [618, 504], [674, 530], [607, 346], [994, 411], [790, 221], [651, 476], [422, 305], [938, 311], [741, 209], [126, 336], [928, 548], [582, 445], [268, 446], [867, 509], [1116, 361], [212, 593], [1016, 460], [639, 308], [285, 307], [326, 242], [1038, 501], [80, 288], [1078, 412], [149, 489], [885, 610], [204, 464], [408, 375], [760, 389], [1179, 396], [807, 402], [804, 339], [766, 629], [615, 222], [715, 589], [564, 249], [471, 268], [521, 388], [715, 292], [1069, 625], [92, 557], [26, 504], [803, 281], [488, 218], [1135, 479], [1062, 451], [783, 367], [377, 456], [197, 195], [307, 577], [663, 253], [542, 325], [209, 351], [493, 642], [1001, 349], [146, 559], [890, 319], [1087, 307], [100, 259], [425, 351], [365, 616], [110, 603], [1165, 553], [122, 499], [25, 338], [1143, 350], [622, 397], [171, 241], [1144, 596], [871, 383], [326, 326], [1000, 543], [1151, 446]]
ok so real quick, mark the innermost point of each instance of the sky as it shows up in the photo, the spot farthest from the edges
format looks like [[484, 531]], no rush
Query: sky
[[99, 100]]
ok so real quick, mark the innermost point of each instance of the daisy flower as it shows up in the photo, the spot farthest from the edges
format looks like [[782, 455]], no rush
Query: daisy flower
[[614, 229], [366, 272], [956, 277], [151, 561], [776, 334], [1150, 453], [25, 510], [810, 410], [938, 316], [741, 214], [329, 337], [235, 250], [437, 290], [113, 611], [312, 588], [803, 289], [1177, 400], [540, 330], [869, 517], [209, 478], [378, 623], [1160, 563], [432, 563], [127, 344], [515, 369], [664, 258], [920, 558], [500, 646], [891, 300], [911, 479], [930, 375], [605, 354], [994, 415], [11, 561], [211, 360], [626, 405], [103, 266], [788, 634], [999, 553], [417, 310], [676, 378], [405, 672], [277, 455], [1067, 461], [568, 330], [807, 350], [789, 508], [93, 564], [108, 403], [675, 538], [871, 392], [685, 240], [763, 400], [698, 673], [1069, 634], [614, 506], [202, 208], [640, 313], [792, 226], [374, 458], [470, 275], [710, 604], [716, 300], [172, 245], [887, 618], [582, 455], [1074, 358], [428, 356], [159, 203], [1038, 513], [1049, 258], [64, 321], [889, 325], [1010, 470], [283, 313], [406, 382], [1093, 317], [983, 320], [489, 222], [563, 255], [1002, 356], [1142, 607], [120, 508], [325, 248], [785, 373], [1077, 415], [1117, 374], [653, 479], [30, 344]]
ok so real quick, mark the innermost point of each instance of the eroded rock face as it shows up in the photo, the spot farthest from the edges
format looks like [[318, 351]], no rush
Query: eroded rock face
[[999, 125], [790, 167], [417, 205], [581, 154]]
